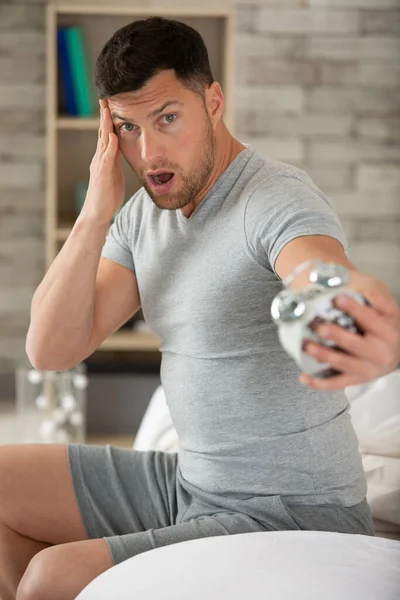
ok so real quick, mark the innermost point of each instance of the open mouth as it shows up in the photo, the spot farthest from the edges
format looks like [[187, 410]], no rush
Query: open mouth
[[161, 178]]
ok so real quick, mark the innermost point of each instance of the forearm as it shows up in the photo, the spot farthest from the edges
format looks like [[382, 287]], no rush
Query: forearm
[[63, 305]]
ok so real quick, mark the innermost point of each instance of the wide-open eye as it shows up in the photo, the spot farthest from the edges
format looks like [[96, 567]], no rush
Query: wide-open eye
[[134, 127], [170, 118]]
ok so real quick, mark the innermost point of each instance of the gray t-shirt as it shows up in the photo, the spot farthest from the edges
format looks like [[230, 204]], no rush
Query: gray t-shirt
[[246, 427]]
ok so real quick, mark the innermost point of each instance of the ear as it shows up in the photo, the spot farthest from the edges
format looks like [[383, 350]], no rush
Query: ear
[[215, 102]]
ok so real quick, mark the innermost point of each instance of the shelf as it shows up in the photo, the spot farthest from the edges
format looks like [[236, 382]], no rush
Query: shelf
[[119, 440], [131, 340]]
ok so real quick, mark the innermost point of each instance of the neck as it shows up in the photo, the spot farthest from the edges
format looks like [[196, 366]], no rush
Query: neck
[[227, 148]]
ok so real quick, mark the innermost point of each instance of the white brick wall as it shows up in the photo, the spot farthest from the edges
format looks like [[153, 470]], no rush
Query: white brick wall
[[351, 152], [267, 71], [379, 258], [353, 100], [377, 253], [21, 95], [255, 45], [307, 125], [281, 99], [380, 178], [361, 74], [32, 70], [377, 49], [22, 146], [387, 128], [353, 3], [331, 178], [380, 21], [291, 150], [303, 20], [25, 43], [318, 86], [17, 16], [12, 302], [370, 204], [281, 3], [22, 176], [21, 255]]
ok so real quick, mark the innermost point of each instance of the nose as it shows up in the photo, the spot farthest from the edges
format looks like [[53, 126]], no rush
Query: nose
[[151, 151]]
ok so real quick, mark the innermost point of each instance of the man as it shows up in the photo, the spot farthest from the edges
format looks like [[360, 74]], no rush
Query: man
[[201, 248]]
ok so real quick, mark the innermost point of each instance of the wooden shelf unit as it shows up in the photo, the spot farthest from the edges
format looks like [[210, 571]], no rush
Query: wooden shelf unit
[[71, 141]]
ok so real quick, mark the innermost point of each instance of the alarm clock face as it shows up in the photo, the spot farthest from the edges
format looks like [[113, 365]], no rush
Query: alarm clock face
[[302, 285]]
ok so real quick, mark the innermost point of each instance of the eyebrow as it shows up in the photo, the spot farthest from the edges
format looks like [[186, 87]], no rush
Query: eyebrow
[[152, 114]]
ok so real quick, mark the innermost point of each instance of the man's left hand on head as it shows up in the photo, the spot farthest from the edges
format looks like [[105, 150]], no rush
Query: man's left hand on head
[[366, 357]]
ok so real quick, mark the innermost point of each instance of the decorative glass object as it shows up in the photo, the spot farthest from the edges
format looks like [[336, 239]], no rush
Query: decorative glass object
[[51, 405]]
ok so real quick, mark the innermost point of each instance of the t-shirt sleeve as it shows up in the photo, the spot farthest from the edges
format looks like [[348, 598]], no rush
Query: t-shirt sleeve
[[118, 244], [286, 208]]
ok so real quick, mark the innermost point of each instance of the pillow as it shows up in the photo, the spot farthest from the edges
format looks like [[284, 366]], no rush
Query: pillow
[[375, 414], [156, 431]]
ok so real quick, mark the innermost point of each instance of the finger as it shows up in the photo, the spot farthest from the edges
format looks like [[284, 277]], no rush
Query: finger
[[100, 138], [382, 302], [366, 317], [107, 124], [342, 361], [101, 105], [361, 346], [112, 147], [338, 382]]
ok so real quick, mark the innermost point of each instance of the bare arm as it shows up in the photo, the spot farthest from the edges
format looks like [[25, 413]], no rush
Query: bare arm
[[79, 303], [62, 307], [72, 298]]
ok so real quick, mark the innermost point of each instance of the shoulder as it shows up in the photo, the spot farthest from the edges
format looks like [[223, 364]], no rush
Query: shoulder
[[281, 186]]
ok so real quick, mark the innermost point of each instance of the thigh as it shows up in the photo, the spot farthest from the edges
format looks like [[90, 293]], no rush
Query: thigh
[[121, 491], [355, 519], [37, 499], [222, 523]]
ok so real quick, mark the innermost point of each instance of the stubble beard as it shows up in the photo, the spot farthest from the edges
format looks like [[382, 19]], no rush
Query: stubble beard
[[192, 183]]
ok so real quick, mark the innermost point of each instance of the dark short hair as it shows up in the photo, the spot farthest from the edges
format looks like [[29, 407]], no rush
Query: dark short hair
[[140, 50]]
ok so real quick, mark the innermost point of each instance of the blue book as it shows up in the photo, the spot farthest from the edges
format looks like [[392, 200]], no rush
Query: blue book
[[66, 74], [79, 71]]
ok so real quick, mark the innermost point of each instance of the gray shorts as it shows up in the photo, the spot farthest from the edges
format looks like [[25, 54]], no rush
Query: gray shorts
[[138, 501]]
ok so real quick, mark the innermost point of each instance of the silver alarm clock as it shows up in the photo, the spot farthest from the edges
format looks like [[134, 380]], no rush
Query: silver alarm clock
[[307, 300]]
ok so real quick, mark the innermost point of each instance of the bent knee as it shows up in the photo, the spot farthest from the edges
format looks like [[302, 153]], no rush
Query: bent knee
[[48, 576], [41, 578]]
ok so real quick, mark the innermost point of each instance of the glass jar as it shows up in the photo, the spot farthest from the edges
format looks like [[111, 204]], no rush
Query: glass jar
[[51, 405]]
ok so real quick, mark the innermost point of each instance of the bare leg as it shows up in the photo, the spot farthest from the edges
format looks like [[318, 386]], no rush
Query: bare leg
[[16, 552], [38, 508], [63, 571]]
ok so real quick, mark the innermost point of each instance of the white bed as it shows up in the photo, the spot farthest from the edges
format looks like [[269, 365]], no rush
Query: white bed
[[284, 565]]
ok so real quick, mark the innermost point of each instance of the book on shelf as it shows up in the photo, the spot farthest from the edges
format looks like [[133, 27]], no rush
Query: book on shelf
[[66, 90], [73, 65]]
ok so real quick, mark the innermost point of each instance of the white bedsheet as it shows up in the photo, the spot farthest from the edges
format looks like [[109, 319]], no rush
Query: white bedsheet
[[283, 565]]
